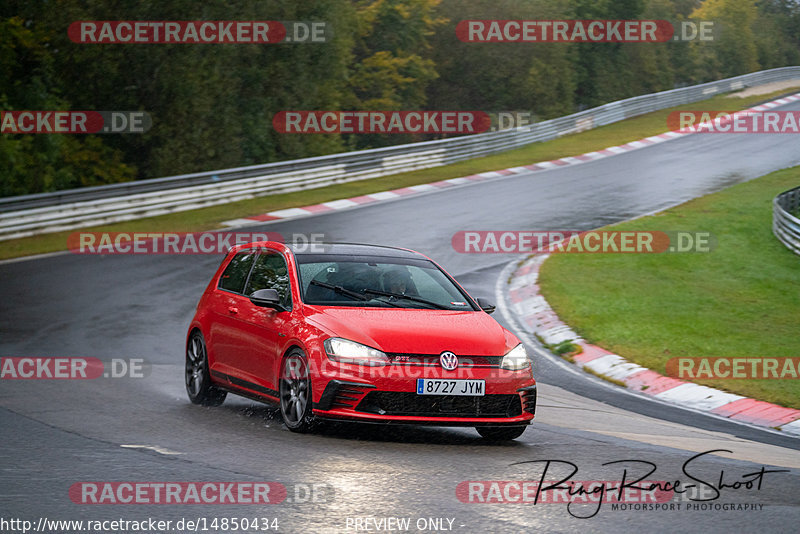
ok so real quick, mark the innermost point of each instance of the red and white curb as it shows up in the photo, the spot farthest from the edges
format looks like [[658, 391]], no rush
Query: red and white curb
[[533, 311], [342, 204], [776, 103]]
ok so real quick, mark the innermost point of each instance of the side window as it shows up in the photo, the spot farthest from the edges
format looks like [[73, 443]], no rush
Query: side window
[[270, 272], [236, 272]]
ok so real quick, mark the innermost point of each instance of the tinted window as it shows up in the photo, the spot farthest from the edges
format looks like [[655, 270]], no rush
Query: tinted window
[[236, 272], [270, 272]]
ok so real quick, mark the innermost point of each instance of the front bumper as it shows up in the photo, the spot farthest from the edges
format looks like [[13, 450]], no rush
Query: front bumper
[[388, 395]]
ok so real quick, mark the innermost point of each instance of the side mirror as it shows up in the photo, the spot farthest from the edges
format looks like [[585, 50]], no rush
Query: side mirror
[[267, 298], [485, 305]]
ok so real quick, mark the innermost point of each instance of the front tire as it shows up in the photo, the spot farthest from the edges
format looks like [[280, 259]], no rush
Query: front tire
[[500, 433], [295, 392], [197, 376]]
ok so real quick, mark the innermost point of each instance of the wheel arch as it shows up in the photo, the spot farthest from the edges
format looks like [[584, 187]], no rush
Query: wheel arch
[[198, 327], [294, 344]]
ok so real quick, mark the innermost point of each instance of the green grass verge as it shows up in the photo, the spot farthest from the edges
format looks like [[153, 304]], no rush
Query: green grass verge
[[210, 218], [740, 300]]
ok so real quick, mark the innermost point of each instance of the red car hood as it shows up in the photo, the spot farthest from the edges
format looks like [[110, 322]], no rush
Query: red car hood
[[415, 331]]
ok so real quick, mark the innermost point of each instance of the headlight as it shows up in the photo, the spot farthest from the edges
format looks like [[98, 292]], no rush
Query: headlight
[[346, 351], [516, 359]]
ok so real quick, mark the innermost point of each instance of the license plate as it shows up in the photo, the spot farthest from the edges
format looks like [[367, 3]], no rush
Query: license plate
[[463, 388]]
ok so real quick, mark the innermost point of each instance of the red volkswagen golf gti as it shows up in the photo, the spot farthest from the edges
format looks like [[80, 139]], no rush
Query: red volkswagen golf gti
[[356, 332]]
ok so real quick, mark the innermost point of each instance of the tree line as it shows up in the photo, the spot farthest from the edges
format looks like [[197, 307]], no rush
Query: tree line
[[212, 104]]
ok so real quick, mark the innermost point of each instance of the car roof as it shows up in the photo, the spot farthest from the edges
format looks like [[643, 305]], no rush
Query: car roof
[[351, 249]]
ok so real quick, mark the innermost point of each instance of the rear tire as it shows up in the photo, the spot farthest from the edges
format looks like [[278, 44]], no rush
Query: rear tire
[[295, 392], [500, 433], [197, 376]]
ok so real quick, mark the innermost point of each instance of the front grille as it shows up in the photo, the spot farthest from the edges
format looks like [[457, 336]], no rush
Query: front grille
[[341, 394], [529, 399], [346, 398], [433, 360], [411, 404]]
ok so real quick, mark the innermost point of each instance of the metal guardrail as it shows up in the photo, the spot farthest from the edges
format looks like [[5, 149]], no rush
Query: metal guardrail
[[76, 208], [785, 225]]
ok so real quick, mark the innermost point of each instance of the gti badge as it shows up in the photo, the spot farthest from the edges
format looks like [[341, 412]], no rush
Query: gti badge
[[448, 360]]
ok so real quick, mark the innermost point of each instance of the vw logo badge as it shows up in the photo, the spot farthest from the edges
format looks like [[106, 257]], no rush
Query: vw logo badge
[[448, 360]]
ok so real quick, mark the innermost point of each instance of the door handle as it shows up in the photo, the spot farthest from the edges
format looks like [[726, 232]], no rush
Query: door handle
[[233, 310]]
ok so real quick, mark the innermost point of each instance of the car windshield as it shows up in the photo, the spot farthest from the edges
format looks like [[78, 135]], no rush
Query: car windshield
[[330, 280]]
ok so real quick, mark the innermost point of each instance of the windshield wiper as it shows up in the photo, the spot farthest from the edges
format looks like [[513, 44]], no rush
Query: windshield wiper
[[339, 289], [407, 297]]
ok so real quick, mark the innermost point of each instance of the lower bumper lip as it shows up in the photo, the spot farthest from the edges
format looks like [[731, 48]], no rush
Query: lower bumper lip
[[523, 419]]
